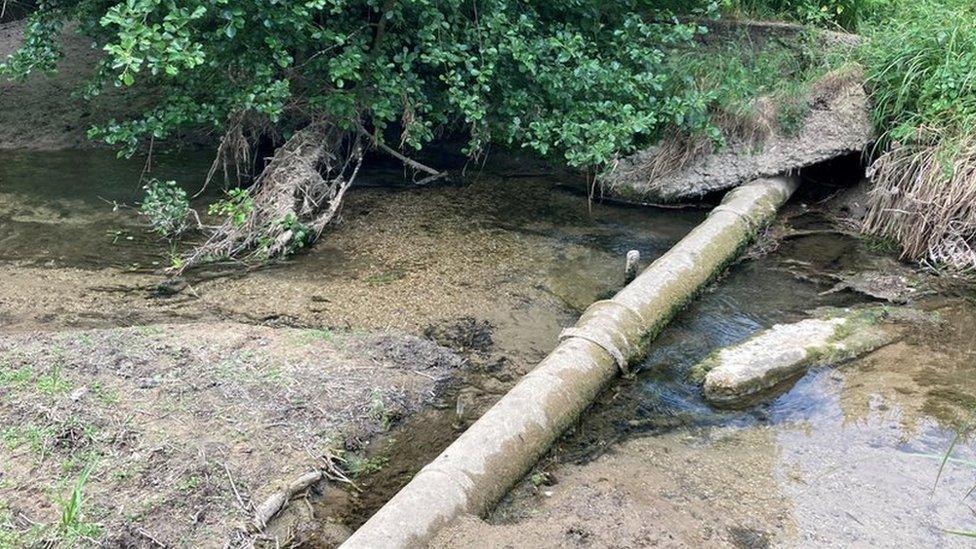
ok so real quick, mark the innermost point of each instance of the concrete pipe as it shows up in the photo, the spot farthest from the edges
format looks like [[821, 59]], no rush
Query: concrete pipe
[[474, 472]]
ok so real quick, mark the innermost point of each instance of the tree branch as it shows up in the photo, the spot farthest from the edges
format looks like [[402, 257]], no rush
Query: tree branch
[[434, 174]]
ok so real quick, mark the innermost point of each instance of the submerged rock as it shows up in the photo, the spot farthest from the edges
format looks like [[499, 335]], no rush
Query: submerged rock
[[741, 374], [837, 124]]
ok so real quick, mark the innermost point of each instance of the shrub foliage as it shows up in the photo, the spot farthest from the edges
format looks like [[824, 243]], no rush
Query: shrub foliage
[[580, 80]]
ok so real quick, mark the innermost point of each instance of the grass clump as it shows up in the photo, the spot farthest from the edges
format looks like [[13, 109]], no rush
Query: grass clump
[[72, 528], [921, 73]]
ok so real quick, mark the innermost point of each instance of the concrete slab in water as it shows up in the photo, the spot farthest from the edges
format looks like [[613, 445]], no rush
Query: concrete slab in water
[[737, 375]]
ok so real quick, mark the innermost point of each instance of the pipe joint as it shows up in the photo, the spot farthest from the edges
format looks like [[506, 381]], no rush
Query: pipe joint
[[614, 327]]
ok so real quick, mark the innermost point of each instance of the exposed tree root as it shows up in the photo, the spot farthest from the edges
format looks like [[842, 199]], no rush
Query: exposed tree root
[[295, 197], [297, 194]]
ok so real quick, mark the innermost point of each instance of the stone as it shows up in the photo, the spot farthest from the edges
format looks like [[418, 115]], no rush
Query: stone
[[744, 373]]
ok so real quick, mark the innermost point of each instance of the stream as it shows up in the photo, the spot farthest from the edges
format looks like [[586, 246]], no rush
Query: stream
[[495, 268]]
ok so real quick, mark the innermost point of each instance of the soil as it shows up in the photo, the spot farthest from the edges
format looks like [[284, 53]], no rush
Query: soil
[[492, 273], [186, 428], [838, 124]]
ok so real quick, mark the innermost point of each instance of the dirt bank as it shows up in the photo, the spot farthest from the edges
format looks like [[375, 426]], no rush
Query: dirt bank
[[494, 269], [837, 124], [186, 428]]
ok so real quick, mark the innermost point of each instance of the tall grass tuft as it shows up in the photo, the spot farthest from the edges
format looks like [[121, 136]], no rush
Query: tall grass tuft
[[72, 526], [921, 72]]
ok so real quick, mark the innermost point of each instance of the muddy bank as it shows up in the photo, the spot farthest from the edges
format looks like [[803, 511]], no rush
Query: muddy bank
[[184, 429], [42, 112], [837, 124], [493, 268]]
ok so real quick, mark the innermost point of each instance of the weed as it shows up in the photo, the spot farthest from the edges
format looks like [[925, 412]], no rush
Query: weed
[[921, 73], [72, 527], [37, 437], [305, 337], [105, 395], [236, 207], [359, 467], [189, 484], [166, 206], [52, 383], [14, 378], [379, 411]]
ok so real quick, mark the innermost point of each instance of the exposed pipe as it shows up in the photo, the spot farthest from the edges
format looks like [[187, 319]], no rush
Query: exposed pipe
[[474, 472]]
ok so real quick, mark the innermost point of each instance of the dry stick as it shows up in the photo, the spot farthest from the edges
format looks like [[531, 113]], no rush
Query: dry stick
[[408, 161], [276, 502], [233, 487]]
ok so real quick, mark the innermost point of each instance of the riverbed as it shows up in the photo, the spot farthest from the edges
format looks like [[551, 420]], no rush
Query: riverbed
[[494, 267]]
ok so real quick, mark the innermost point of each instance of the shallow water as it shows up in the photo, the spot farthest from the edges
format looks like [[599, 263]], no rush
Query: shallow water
[[847, 456], [78, 208]]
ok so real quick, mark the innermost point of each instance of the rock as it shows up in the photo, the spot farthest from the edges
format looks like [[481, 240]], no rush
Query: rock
[[893, 287], [838, 124], [741, 374]]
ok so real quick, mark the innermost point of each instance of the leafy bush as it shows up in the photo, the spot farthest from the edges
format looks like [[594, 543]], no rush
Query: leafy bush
[[579, 80], [236, 207], [166, 206], [845, 14]]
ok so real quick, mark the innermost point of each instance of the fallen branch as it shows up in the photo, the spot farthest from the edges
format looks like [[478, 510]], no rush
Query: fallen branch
[[434, 174], [276, 502]]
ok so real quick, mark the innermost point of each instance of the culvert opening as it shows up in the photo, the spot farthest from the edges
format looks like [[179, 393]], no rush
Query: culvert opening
[[825, 179]]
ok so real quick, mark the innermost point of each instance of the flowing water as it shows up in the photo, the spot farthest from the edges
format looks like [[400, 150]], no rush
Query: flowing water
[[848, 456]]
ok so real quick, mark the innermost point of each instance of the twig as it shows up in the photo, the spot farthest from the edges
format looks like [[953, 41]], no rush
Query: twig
[[233, 487], [142, 532]]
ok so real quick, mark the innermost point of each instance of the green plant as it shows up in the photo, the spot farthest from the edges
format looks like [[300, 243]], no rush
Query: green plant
[[359, 467], [236, 207], [379, 411], [14, 378], [166, 206], [72, 526], [846, 14], [579, 81], [921, 73], [52, 382]]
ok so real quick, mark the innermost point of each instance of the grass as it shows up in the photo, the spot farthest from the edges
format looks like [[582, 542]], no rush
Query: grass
[[38, 438], [72, 527], [735, 73], [921, 73], [359, 467], [14, 378], [71, 530], [52, 382], [919, 62], [836, 14], [748, 90]]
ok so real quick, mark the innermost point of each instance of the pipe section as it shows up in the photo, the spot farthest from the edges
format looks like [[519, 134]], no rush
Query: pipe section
[[474, 472]]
